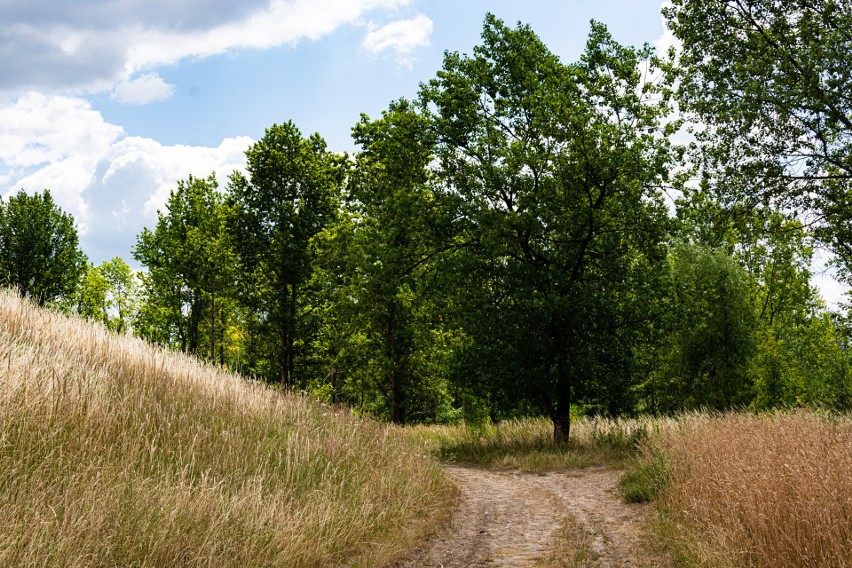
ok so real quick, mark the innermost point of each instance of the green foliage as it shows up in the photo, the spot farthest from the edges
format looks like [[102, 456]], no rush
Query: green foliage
[[109, 294], [769, 82], [646, 479], [393, 260], [802, 365], [798, 356], [501, 247], [91, 301], [39, 252], [555, 173], [190, 262], [290, 196], [122, 286], [710, 332]]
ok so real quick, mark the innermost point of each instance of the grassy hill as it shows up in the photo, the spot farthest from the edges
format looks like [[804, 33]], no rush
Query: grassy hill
[[116, 453]]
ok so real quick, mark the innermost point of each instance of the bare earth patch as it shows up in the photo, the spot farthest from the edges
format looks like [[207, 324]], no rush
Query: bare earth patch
[[511, 518]]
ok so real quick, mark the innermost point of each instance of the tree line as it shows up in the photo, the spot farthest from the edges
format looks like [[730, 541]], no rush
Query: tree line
[[521, 238]]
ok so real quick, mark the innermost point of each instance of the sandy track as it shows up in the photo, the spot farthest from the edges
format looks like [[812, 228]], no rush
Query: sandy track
[[509, 518]]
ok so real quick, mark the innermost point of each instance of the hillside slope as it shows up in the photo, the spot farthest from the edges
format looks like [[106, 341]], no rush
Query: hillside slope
[[116, 453]]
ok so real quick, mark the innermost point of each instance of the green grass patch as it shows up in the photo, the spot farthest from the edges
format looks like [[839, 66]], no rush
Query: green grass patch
[[646, 479]]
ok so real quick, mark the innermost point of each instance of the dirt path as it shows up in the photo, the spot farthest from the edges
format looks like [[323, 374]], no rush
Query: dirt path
[[509, 518]]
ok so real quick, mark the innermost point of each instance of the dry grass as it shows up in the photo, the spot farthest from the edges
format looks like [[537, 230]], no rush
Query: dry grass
[[572, 547], [768, 491], [114, 453], [528, 444]]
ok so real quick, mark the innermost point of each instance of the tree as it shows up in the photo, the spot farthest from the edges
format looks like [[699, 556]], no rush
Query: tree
[[710, 327], [395, 246], [39, 252], [121, 295], [787, 350], [769, 83], [190, 264], [291, 195], [91, 298], [557, 171], [108, 294]]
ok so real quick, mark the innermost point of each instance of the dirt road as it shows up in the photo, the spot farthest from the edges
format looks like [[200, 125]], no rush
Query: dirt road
[[509, 518]]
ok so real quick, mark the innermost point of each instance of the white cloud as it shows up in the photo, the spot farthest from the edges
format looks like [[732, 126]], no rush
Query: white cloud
[[668, 39], [52, 142], [90, 46], [281, 23], [402, 36], [111, 183], [147, 88]]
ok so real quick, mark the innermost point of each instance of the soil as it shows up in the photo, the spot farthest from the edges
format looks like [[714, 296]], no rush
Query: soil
[[511, 518]]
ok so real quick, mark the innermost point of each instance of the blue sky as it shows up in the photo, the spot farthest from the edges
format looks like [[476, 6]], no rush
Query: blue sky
[[109, 102]]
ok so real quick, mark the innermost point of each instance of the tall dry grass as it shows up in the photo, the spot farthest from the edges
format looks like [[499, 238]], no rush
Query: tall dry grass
[[768, 490], [527, 444], [115, 453]]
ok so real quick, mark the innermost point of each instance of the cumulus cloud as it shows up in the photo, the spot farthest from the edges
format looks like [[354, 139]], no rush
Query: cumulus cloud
[[402, 36], [52, 142], [147, 88], [91, 45], [111, 183]]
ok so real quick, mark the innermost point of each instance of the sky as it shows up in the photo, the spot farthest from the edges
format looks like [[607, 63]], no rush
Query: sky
[[108, 103]]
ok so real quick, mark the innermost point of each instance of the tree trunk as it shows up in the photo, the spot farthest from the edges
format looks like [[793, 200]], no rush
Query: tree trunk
[[194, 322], [396, 396], [560, 412], [291, 338], [561, 426], [397, 372], [334, 374], [213, 325]]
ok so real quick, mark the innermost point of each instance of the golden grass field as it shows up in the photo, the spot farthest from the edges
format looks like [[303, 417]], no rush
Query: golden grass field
[[116, 453], [771, 490]]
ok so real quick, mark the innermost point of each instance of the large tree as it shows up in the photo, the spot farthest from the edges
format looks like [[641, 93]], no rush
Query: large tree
[[290, 195], [769, 83], [39, 252], [557, 170]]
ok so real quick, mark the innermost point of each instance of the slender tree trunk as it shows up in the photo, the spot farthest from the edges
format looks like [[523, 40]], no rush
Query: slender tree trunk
[[396, 395], [213, 325], [334, 374], [397, 371], [194, 323], [282, 359], [291, 339]]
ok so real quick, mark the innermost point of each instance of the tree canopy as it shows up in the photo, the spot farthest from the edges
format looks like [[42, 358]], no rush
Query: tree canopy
[[520, 238], [769, 85], [40, 252], [556, 171]]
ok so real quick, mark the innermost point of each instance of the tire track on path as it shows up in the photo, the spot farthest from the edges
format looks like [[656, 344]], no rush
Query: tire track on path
[[510, 518]]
